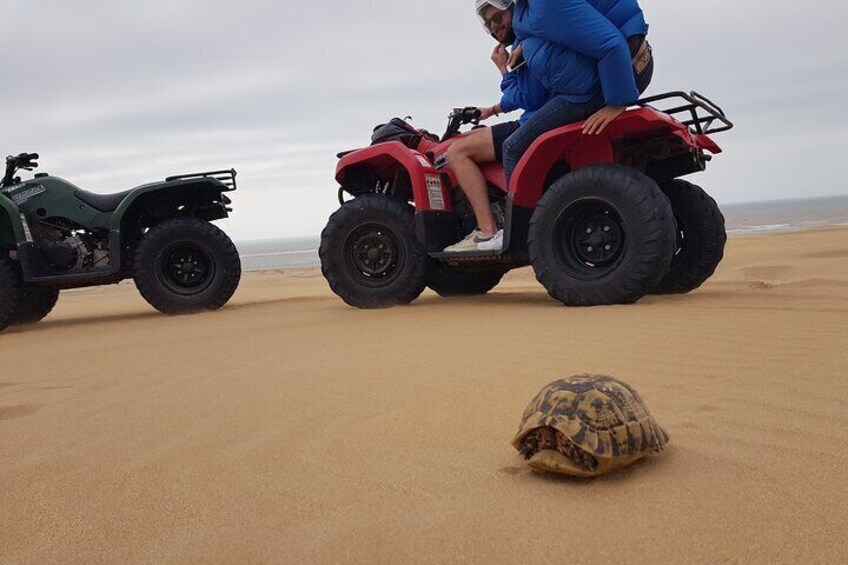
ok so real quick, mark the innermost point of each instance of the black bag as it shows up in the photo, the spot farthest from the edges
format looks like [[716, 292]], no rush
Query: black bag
[[396, 130]]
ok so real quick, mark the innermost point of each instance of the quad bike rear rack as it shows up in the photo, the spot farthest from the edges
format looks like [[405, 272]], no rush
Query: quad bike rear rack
[[227, 178], [702, 111]]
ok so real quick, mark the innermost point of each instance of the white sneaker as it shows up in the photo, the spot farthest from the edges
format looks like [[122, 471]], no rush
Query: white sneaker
[[493, 243], [476, 241]]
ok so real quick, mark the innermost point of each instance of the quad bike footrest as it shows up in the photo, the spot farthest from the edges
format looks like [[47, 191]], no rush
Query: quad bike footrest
[[508, 258], [467, 256]]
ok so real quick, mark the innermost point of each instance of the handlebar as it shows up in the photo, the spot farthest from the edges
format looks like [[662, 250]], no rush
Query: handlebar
[[25, 161], [468, 115], [459, 117], [22, 158]]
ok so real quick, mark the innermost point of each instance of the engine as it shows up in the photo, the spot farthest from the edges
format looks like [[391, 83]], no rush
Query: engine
[[467, 221], [67, 247]]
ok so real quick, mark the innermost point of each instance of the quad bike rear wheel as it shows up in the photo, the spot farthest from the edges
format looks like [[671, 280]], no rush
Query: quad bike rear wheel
[[35, 304], [186, 265], [370, 254], [10, 291], [701, 238], [448, 281], [601, 235]]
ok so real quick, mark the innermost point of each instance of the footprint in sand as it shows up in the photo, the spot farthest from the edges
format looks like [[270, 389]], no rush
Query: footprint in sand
[[835, 254], [511, 470], [12, 412], [768, 272]]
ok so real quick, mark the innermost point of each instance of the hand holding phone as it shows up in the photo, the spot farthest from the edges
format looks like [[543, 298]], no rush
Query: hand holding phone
[[516, 67], [516, 59]]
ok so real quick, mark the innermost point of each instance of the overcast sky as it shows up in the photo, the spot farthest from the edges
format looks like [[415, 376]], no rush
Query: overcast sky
[[114, 94]]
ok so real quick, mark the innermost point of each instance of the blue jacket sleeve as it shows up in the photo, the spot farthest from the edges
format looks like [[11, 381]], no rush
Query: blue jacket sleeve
[[576, 25], [522, 91], [511, 98]]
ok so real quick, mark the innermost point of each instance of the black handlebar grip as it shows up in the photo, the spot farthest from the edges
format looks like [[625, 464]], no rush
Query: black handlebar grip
[[26, 157]]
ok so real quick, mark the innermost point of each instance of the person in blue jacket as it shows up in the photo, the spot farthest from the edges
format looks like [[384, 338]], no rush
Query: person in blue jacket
[[612, 33], [520, 90]]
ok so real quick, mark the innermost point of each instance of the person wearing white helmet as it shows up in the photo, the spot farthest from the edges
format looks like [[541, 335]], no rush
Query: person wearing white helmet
[[520, 91]]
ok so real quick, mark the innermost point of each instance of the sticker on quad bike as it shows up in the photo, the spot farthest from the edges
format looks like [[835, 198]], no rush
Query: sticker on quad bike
[[21, 193], [25, 225], [12, 188], [423, 160], [434, 192]]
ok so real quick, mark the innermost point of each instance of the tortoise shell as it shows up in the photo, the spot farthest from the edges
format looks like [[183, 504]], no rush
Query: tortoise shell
[[587, 425]]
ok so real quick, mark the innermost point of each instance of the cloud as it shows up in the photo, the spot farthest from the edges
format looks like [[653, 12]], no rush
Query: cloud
[[116, 94]]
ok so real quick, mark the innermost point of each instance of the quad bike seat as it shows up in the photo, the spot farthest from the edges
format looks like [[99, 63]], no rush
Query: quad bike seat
[[103, 202]]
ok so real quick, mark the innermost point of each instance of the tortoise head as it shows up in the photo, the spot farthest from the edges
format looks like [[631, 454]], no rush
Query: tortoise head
[[558, 446]]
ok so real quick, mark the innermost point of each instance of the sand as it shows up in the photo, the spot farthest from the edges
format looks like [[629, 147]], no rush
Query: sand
[[290, 428]]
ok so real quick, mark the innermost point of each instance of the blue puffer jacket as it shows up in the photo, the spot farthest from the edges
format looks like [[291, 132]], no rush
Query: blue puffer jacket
[[561, 71], [522, 91], [552, 32]]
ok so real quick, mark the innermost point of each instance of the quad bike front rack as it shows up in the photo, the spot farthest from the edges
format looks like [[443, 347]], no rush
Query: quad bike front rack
[[703, 112]]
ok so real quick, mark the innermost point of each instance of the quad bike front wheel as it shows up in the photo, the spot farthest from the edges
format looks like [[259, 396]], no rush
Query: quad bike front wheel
[[35, 304], [186, 265], [10, 291], [601, 235], [448, 281], [701, 238], [370, 254]]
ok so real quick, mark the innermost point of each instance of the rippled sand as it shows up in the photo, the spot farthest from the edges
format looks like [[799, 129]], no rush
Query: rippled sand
[[290, 428]]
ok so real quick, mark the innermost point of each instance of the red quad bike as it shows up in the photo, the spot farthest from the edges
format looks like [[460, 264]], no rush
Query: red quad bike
[[602, 219]]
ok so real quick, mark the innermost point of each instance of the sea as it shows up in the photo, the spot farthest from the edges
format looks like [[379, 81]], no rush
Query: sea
[[740, 219]]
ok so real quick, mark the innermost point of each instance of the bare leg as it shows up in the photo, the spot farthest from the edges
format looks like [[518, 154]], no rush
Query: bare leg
[[463, 156]]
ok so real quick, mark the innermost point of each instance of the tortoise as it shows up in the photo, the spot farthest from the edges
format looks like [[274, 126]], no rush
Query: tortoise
[[587, 425]]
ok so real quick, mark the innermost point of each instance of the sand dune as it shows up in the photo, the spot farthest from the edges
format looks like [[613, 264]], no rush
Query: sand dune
[[290, 428]]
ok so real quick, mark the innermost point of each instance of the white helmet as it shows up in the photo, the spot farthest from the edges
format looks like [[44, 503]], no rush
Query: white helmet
[[480, 5]]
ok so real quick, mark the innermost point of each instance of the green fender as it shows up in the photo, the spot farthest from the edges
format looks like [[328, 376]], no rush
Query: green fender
[[175, 189]]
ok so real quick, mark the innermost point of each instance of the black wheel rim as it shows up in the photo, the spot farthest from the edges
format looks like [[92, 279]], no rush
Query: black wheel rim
[[374, 255], [589, 239], [186, 268]]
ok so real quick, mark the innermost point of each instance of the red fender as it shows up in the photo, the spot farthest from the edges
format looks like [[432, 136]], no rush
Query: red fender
[[385, 159], [569, 144]]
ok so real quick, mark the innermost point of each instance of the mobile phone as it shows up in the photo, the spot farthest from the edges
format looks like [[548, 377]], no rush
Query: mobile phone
[[521, 62], [516, 67]]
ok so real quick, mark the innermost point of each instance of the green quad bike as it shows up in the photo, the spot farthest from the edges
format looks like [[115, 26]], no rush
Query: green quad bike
[[54, 235]]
